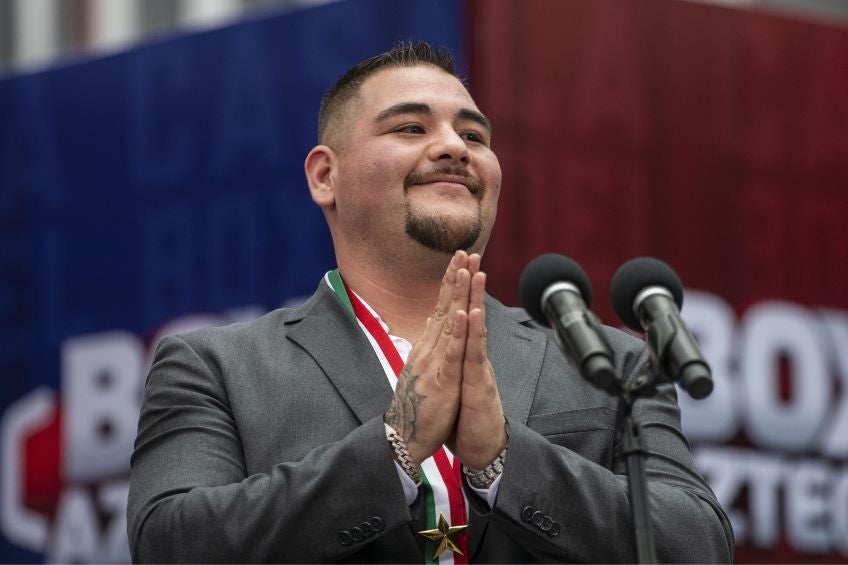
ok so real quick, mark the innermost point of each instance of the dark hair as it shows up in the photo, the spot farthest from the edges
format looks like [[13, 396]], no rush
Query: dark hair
[[403, 54]]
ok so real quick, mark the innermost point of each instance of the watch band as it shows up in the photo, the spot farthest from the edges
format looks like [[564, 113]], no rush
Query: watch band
[[487, 475], [402, 453]]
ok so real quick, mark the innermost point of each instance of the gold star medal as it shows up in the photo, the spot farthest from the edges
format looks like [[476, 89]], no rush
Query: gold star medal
[[442, 534]]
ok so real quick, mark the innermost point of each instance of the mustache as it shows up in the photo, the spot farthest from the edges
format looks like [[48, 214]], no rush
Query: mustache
[[474, 184]]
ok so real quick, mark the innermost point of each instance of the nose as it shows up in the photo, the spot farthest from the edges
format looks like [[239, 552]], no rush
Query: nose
[[449, 146]]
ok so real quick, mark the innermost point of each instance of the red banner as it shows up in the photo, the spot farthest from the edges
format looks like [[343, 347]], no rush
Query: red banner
[[717, 140]]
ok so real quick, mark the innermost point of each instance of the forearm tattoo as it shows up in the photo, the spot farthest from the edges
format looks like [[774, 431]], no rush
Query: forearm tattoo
[[403, 409]]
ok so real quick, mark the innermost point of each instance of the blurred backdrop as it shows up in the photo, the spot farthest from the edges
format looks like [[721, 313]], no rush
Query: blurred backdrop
[[151, 182]]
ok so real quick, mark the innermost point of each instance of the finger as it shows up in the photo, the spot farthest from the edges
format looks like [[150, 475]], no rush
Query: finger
[[477, 294], [450, 373], [476, 354], [458, 261], [474, 263], [443, 304], [459, 302]]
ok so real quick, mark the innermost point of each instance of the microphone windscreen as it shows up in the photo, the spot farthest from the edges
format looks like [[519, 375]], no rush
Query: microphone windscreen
[[542, 272], [636, 275]]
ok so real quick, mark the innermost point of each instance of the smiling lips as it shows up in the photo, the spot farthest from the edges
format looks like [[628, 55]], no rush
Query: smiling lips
[[447, 177]]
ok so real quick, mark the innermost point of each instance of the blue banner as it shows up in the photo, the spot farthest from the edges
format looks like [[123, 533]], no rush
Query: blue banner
[[144, 193]]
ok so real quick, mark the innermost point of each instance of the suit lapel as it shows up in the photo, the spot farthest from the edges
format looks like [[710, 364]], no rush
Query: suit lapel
[[328, 332], [516, 353], [332, 336]]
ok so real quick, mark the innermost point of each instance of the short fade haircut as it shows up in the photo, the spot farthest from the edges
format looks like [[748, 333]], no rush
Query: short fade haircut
[[403, 54]]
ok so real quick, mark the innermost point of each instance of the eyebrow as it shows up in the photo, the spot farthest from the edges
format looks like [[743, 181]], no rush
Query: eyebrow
[[403, 108], [475, 116], [421, 108]]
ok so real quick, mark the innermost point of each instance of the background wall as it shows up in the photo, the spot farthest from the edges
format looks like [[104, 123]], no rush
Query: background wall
[[161, 188], [714, 139]]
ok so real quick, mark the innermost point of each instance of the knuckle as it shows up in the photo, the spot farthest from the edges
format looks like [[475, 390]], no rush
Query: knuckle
[[451, 357], [454, 353], [473, 358]]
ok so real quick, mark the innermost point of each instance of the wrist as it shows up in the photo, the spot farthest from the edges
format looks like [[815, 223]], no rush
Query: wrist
[[484, 477], [400, 453]]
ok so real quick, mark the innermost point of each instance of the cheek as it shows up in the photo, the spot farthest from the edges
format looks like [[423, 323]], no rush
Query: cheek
[[493, 188], [360, 176], [489, 167], [382, 169], [373, 190], [492, 179]]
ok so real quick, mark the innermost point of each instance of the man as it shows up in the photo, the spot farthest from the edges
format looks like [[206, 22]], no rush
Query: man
[[282, 439]]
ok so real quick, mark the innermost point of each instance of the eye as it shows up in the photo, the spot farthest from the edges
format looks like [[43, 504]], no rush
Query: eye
[[410, 128], [473, 137]]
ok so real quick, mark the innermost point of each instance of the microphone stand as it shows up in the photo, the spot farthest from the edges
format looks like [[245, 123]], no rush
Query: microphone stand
[[634, 457], [634, 454], [661, 338]]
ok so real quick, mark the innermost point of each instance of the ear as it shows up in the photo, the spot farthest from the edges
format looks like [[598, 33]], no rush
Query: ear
[[320, 168]]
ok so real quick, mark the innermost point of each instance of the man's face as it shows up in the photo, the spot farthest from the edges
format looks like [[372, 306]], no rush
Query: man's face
[[416, 163]]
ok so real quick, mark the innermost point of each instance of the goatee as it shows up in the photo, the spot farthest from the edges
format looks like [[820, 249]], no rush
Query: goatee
[[442, 233], [439, 232]]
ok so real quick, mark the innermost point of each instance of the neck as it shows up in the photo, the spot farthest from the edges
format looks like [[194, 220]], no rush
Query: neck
[[404, 300]]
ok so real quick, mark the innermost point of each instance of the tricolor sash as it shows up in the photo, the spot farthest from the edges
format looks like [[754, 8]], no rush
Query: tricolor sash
[[441, 473]]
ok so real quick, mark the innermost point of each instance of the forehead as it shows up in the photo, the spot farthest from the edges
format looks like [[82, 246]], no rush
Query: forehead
[[427, 84]]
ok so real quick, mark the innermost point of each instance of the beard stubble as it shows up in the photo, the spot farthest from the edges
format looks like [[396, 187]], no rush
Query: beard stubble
[[439, 231]]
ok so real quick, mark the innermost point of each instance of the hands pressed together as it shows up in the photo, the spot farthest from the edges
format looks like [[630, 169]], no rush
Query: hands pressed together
[[446, 393]]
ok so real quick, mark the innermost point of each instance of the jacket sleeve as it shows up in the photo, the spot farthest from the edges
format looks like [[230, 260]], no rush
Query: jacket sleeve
[[563, 507], [191, 499]]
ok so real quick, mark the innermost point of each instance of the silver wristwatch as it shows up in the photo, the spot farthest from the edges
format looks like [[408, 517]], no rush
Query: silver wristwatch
[[487, 475]]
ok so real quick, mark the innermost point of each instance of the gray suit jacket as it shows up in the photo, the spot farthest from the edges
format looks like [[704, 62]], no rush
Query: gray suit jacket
[[264, 441]]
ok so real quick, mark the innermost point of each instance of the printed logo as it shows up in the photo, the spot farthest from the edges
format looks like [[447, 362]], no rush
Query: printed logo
[[64, 472]]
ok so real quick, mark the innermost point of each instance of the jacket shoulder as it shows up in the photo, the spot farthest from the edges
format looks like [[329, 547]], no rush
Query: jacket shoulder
[[268, 330]]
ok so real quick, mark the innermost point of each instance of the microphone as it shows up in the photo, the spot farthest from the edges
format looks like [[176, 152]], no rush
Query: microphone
[[555, 291], [647, 295]]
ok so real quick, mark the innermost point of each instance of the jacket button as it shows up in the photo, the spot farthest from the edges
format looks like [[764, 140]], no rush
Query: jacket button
[[356, 534], [527, 513], [554, 531], [366, 529], [344, 538], [547, 524], [376, 523], [538, 518]]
